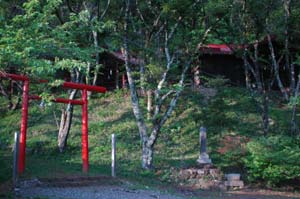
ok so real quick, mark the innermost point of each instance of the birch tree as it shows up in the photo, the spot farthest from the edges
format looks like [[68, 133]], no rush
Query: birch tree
[[174, 50]]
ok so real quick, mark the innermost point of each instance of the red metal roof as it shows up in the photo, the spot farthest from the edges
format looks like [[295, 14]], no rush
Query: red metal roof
[[132, 60], [214, 49], [222, 49]]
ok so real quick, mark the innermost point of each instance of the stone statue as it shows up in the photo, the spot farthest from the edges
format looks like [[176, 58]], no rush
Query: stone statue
[[204, 157]]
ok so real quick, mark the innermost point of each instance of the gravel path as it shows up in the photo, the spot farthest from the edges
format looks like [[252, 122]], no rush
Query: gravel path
[[91, 192], [107, 188]]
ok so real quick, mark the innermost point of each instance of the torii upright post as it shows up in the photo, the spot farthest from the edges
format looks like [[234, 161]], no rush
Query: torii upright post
[[85, 145], [22, 146]]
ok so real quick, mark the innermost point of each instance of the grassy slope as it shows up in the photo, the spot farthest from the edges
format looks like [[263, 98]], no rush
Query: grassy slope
[[232, 112]]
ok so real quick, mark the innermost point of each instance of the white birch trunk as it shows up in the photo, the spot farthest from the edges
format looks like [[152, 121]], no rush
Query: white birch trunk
[[276, 69]]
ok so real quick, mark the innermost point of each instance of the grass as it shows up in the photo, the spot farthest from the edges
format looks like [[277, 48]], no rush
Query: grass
[[232, 112]]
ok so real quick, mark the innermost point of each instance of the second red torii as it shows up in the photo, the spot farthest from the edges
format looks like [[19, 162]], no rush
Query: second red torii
[[83, 102]]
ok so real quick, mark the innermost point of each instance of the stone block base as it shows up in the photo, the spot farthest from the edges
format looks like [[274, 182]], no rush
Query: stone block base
[[204, 159], [206, 177], [235, 183]]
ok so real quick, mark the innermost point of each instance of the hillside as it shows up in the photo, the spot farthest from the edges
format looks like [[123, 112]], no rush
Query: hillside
[[230, 117]]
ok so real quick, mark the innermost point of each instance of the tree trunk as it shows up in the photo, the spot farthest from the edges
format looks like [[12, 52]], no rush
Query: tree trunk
[[11, 93], [246, 71], [67, 115], [148, 148], [257, 74], [262, 89], [124, 86], [294, 127], [149, 103], [142, 79], [16, 104], [276, 69], [293, 79], [147, 156], [97, 63], [65, 124], [117, 77], [88, 77], [64, 129], [96, 71], [196, 78], [265, 113], [287, 12]]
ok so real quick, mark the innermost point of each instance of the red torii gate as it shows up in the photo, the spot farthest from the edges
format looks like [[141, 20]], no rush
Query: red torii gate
[[83, 102]]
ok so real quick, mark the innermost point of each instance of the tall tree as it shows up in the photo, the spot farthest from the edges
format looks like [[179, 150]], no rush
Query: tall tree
[[47, 36], [162, 32]]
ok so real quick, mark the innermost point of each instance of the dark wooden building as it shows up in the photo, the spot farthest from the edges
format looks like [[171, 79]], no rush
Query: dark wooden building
[[221, 60]]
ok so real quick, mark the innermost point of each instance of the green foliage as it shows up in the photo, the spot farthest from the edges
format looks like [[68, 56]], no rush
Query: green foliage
[[275, 160], [215, 82], [69, 64], [37, 42], [225, 108]]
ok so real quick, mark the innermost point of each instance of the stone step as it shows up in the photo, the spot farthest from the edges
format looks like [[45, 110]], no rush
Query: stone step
[[235, 183]]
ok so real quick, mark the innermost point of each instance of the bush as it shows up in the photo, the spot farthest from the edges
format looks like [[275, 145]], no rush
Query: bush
[[215, 82], [274, 160]]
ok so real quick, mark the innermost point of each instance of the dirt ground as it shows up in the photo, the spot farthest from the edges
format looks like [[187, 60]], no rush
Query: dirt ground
[[241, 194], [57, 188]]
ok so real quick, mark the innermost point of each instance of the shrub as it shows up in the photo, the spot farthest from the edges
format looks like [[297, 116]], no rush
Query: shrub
[[274, 160], [215, 82], [230, 153]]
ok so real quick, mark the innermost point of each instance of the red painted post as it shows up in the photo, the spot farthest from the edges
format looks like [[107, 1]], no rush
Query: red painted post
[[85, 146], [22, 147]]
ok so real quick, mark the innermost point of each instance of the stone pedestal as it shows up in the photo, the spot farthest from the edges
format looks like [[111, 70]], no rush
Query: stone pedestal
[[233, 180], [237, 183], [204, 159]]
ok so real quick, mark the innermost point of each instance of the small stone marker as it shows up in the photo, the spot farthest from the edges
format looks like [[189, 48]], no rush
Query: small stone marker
[[204, 157], [233, 180], [15, 164], [113, 155]]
